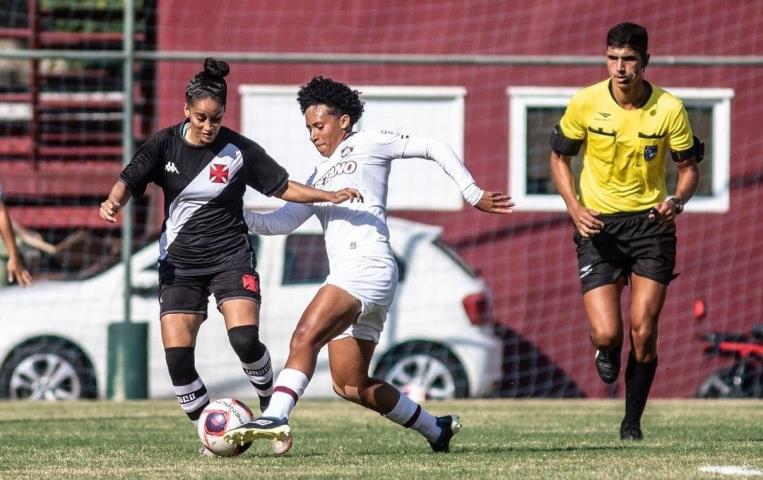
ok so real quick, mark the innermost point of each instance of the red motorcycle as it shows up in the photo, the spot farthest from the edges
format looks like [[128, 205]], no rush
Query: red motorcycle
[[744, 379]]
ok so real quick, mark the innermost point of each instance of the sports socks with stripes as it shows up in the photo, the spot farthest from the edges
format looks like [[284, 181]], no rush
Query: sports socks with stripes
[[410, 414], [289, 387], [255, 360], [190, 391]]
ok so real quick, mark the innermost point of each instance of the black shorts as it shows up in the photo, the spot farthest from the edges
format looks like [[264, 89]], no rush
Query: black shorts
[[189, 294], [629, 243]]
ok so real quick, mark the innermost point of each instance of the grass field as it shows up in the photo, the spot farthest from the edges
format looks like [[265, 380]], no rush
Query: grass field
[[500, 439]]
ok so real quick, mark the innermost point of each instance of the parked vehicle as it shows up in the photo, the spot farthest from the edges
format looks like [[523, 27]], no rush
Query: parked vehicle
[[744, 378], [438, 336]]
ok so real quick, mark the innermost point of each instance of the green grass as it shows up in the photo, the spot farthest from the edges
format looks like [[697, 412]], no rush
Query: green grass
[[500, 439]]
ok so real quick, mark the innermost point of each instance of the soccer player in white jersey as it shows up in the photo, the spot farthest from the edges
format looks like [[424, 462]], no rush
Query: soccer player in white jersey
[[203, 168], [349, 310]]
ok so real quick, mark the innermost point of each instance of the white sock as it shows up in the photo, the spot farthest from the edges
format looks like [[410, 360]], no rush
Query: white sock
[[289, 386], [411, 415]]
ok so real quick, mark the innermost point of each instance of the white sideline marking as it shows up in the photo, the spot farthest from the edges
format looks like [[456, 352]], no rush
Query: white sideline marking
[[732, 470]]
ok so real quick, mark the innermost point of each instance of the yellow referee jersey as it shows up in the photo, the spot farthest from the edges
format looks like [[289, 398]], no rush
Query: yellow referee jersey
[[625, 151]]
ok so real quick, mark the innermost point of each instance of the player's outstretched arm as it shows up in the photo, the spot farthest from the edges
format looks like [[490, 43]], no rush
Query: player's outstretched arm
[[495, 202], [299, 193], [279, 222], [118, 197]]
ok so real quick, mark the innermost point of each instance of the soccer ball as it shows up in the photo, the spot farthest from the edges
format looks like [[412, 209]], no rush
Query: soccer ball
[[219, 417]]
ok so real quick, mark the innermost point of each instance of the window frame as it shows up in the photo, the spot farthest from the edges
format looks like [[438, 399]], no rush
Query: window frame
[[522, 98], [444, 194]]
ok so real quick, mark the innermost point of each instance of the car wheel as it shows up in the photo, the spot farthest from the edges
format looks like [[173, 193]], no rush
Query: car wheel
[[48, 369], [424, 371]]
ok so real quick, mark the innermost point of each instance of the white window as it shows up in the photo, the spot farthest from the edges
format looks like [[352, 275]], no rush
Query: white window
[[533, 111], [270, 116]]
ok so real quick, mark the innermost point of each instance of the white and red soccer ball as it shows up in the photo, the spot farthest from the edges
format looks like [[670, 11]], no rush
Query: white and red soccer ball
[[219, 417]]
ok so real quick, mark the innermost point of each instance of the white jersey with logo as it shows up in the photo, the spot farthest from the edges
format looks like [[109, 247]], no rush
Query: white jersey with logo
[[356, 233], [362, 161]]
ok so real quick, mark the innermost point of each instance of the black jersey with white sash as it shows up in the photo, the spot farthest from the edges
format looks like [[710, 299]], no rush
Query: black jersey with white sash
[[204, 229]]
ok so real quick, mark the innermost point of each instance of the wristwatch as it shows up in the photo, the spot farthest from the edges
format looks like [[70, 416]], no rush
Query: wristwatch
[[679, 204]]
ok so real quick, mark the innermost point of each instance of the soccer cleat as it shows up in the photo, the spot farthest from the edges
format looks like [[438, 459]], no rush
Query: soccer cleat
[[270, 428], [449, 426], [630, 431], [280, 447], [608, 364]]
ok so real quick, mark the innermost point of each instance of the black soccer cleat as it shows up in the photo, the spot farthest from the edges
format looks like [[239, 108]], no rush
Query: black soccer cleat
[[264, 402], [449, 426], [608, 364], [630, 431], [271, 428]]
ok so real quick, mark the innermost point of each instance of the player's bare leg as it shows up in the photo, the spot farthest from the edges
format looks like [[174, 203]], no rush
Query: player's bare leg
[[330, 312], [647, 299], [349, 360], [242, 321], [179, 331], [602, 306]]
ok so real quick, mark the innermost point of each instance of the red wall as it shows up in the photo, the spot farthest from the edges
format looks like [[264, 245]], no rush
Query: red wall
[[527, 258]]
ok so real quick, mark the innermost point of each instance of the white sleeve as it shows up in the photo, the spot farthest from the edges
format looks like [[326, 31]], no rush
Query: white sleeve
[[447, 159], [279, 222]]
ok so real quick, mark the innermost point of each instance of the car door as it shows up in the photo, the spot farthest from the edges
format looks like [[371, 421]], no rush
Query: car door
[[296, 266]]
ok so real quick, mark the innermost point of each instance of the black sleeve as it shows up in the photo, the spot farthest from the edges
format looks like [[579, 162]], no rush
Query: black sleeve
[[261, 172], [142, 168]]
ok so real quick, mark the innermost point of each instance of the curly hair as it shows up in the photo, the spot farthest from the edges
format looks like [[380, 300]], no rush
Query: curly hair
[[337, 96], [209, 83]]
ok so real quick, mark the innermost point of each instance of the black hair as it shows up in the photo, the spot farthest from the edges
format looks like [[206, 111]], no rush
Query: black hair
[[629, 35], [337, 96], [209, 83]]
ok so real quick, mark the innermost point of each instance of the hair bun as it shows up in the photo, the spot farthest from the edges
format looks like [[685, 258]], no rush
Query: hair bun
[[216, 68]]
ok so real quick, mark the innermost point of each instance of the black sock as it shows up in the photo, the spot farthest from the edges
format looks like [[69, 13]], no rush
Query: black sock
[[638, 381]]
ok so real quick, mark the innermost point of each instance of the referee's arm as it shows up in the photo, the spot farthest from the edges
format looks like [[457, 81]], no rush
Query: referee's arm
[[584, 218]]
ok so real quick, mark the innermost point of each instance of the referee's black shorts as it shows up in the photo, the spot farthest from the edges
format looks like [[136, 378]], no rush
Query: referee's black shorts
[[628, 243]]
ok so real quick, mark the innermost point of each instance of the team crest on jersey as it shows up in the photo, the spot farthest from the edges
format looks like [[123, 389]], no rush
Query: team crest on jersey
[[218, 173], [250, 283], [650, 152], [346, 151]]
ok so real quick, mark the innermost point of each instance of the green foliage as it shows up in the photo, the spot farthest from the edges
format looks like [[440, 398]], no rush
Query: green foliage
[[500, 439]]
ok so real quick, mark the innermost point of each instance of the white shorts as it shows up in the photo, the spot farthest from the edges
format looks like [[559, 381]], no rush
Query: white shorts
[[373, 281]]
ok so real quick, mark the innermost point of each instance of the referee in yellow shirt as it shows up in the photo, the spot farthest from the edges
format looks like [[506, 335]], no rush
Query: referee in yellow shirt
[[622, 212]]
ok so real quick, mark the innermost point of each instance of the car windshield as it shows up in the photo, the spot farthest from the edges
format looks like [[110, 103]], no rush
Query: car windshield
[[454, 256]]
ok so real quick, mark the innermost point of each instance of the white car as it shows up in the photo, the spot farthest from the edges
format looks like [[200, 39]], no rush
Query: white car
[[438, 336]]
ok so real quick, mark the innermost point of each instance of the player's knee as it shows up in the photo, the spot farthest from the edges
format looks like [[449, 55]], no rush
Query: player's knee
[[644, 340], [245, 341], [605, 337], [181, 365], [305, 340]]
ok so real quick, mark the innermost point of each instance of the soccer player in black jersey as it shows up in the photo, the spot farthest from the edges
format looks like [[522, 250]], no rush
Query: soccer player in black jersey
[[203, 169], [624, 218]]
